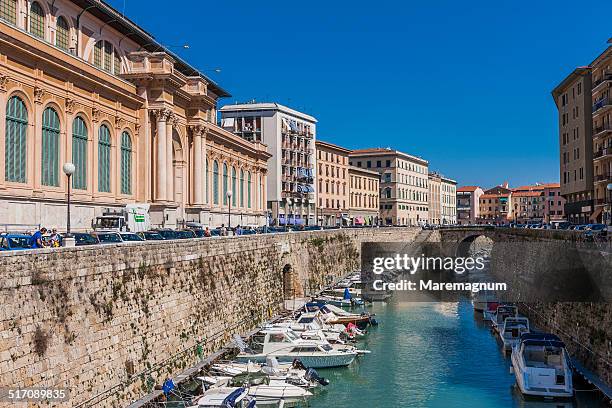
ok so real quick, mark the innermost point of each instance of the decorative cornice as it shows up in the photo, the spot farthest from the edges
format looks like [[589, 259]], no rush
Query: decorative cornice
[[162, 114], [3, 81], [38, 95], [119, 122]]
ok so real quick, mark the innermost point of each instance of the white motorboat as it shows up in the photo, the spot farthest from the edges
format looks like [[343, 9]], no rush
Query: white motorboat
[[228, 397], [286, 346], [503, 312], [512, 330], [481, 299], [542, 366], [311, 321], [259, 386]]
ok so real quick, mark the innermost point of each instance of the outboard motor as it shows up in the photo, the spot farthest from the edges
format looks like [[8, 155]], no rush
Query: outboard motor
[[298, 364], [312, 375], [373, 321]]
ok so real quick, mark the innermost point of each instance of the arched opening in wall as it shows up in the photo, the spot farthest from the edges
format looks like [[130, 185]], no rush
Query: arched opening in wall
[[178, 167], [475, 246], [288, 286]]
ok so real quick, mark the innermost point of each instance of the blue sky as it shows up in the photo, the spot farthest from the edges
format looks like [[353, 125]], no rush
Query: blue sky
[[465, 85]]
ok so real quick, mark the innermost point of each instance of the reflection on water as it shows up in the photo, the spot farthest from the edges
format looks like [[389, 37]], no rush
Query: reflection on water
[[430, 355]]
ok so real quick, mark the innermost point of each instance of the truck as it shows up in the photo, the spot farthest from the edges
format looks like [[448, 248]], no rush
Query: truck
[[132, 218]]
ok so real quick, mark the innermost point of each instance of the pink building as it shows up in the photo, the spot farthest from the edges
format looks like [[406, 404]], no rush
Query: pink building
[[554, 202]]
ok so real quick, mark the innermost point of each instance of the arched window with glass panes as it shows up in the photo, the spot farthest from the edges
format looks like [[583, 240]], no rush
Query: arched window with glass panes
[[50, 148], [79, 153], [104, 160], [215, 182], [107, 57], [8, 11], [126, 163], [15, 143], [242, 188], [37, 20], [62, 34], [234, 192], [224, 184]]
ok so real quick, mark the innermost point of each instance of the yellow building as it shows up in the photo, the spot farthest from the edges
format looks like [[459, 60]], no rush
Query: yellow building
[[332, 178], [86, 85], [364, 192]]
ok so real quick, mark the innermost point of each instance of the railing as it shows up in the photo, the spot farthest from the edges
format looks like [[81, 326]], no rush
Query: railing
[[601, 103], [604, 78], [601, 129], [603, 177], [603, 152]]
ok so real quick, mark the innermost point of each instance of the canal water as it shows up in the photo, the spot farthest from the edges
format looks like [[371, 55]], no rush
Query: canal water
[[430, 355]]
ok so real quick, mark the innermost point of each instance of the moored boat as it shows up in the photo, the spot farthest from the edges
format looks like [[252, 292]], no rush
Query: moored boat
[[512, 330]]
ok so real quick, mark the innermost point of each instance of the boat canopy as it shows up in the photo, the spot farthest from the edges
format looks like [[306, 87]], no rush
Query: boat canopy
[[234, 397], [541, 339]]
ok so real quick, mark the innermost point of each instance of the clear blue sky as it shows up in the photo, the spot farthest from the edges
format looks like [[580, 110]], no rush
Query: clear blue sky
[[465, 85]]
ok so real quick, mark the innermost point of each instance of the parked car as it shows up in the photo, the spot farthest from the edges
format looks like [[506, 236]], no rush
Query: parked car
[[150, 236], [82, 238], [15, 242], [130, 237], [199, 232], [166, 233], [185, 234], [108, 237]]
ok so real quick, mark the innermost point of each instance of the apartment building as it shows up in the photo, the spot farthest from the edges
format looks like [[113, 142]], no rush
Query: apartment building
[[601, 97], [290, 138], [573, 100], [528, 204], [468, 204], [81, 83], [448, 201], [333, 184], [495, 205], [404, 185], [435, 200], [364, 192], [554, 203]]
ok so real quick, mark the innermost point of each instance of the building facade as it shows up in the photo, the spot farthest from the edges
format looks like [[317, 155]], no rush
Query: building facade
[[554, 203], [468, 204], [601, 98], [80, 83], [495, 205], [573, 100], [435, 198], [404, 185], [290, 139], [528, 206], [333, 184], [448, 201], [364, 192]]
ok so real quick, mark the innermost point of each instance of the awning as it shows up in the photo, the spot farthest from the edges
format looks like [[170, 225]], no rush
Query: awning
[[596, 214]]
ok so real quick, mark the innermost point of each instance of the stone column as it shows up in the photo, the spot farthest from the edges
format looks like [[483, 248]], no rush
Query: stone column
[[169, 161], [35, 163], [161, 116], [3, 101], [198, 166]]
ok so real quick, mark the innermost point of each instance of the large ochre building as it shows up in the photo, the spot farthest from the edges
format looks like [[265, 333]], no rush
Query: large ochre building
[[81, 83]]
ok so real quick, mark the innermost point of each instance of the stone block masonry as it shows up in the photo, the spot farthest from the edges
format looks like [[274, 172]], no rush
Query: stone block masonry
[[109, 322]]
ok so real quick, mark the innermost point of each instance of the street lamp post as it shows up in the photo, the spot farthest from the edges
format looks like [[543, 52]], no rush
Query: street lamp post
[[69, 169], [229, 209]]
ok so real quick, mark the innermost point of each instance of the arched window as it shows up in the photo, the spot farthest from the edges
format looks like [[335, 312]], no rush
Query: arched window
[[234, 192], [104, 151], [215, 182], [50, 148], [249, 189], [79, 153], [242, 188], [37, 20], [126, 163], [224, 184], [106, 57], [8, 11], [62, 34], [15, 140]]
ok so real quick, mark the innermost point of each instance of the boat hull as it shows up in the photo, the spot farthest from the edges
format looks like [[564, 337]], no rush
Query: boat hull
[[339, 360]]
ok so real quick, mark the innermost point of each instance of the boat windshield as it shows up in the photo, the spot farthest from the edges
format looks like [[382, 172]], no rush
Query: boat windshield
[[326, 347], [292, 335], [306, 320]]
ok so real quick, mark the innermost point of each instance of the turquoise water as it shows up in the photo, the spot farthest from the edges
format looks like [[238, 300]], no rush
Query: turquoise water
[[429, 355]]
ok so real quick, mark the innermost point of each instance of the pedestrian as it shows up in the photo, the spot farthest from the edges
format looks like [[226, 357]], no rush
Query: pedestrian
[[223, 231], [36, 239], [238, 230], [55, 238], [207, 232]]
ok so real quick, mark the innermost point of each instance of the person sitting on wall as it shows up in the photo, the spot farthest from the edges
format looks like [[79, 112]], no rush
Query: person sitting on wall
[[207, 232], [36, 240]]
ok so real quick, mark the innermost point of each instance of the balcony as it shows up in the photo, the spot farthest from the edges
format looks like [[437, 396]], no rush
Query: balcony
[[603, 177], [601, 131], [601, 105], [603, 153], [605, 78]]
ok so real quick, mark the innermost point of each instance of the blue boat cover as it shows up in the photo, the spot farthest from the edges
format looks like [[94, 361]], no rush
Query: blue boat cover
[[541, 339], [347, 294], [230, 400]]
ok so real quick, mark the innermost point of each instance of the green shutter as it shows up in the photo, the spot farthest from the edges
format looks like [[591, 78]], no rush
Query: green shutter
[[61, 34], [215, 182], [15, 140], [79, 153], [249, 189], [37, 20], [50, 148], [234, 186], [126, 163], [224, 184], [242, 188], [104, 150]]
